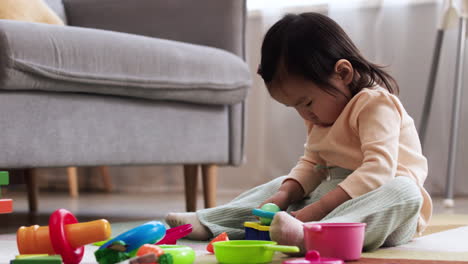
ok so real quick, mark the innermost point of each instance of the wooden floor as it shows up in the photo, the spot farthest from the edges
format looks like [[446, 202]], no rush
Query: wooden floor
[[115, 207], [124, 207]]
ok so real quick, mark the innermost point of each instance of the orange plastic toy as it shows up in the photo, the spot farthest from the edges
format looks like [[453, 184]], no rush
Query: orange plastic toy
[[38, 240]]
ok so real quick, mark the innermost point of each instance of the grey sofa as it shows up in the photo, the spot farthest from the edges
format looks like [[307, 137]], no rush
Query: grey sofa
[[139, 82]]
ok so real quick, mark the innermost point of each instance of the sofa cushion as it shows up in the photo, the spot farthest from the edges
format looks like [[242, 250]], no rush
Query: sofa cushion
[[47, 129], [73, 59]]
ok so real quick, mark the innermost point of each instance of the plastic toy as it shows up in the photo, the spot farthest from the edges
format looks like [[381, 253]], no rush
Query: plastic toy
[[180, 254], [165, 259], [149, 248], [4, 178], [335, 240], [6, 205], [266, 213], [64, 236], [113, 253], [171, 237], [256, 231], [150, 258], [147, 233], [22, 256], [261, 231], [313, 257], [221, 237], [175, 233], [248, 251], [37, 259]]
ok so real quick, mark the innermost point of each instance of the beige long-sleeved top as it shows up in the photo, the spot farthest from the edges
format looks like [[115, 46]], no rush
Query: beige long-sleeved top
[[375, 137]]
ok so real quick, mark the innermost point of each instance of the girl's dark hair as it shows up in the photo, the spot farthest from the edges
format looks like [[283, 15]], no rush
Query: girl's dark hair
[[309, 45]]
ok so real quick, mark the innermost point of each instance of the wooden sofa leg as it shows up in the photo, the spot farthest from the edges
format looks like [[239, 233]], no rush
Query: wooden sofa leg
[[190, 180], [210, 173], [73, 181], [106, 179], [31, 184]]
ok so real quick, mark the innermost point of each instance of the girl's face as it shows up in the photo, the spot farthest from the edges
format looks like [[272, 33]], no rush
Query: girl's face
[[311, 102]]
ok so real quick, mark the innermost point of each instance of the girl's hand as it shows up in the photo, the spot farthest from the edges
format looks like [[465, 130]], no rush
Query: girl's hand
[[312, 212], [280, 198], [289, 192], [318, 210]]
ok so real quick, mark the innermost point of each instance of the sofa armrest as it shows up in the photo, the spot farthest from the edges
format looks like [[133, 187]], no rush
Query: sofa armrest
[[215, 23], [73, 59]]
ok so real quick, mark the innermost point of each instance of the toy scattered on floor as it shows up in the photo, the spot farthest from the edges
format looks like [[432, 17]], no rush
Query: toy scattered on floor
[[23, 256], [256, 231], [313, 257], [147, 253], [113, 253], [335, 240], [248, 251], [180, 254], [171, 237], [174, 234], [6, 205], [221, 237], [64, 236], [261, 231], [148, 233], [266, 213], [37, 259], [149, 248], [149, 259]]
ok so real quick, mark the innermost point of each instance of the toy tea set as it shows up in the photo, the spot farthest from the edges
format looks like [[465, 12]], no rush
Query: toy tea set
[[64, 240], [327, 243]]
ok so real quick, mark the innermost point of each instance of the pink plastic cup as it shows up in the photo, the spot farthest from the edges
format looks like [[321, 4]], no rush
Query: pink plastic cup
[[335, 240]]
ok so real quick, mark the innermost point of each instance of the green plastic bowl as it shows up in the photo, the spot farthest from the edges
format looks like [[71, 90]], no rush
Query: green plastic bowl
[[248, 251], [181, 254]]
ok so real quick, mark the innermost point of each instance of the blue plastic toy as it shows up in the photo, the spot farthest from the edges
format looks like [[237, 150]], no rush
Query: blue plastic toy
[[261, 231], [148, 233], [266, 213]]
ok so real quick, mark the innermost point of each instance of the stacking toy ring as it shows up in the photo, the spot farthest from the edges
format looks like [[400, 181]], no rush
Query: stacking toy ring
[[266, 213], [263, 213], [58, 239]]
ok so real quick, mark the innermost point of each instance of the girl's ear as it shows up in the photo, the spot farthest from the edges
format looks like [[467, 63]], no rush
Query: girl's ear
[[345, 71]]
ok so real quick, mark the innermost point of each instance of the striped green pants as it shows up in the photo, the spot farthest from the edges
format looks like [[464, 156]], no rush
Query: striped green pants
[[391, 212]]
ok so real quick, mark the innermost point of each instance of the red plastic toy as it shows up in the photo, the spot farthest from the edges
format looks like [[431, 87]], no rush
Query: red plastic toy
[[6, 205], [57, 222], [221, 237], [64, 236]]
